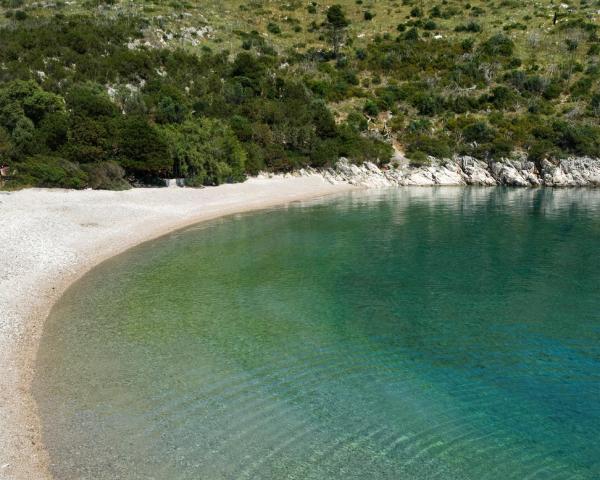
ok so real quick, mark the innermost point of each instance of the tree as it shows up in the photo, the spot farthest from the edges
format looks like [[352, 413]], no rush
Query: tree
[[337, 24], [142, 149], [205, 152]]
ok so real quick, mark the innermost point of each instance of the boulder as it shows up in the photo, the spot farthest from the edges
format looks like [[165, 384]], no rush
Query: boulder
[[476, 171]]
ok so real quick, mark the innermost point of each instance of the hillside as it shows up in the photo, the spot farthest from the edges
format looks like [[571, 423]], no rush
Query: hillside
[[96, 92]]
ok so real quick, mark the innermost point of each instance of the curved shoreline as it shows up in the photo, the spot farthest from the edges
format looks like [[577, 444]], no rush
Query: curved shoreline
[[51, 238]]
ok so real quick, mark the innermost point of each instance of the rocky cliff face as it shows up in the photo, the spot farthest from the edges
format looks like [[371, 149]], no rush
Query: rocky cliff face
[[571, 172]]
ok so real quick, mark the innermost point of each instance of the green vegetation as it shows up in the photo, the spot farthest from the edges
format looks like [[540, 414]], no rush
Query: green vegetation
[[106, 93]]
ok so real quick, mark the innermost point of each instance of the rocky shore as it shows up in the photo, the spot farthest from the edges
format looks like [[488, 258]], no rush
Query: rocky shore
[[571, 172]]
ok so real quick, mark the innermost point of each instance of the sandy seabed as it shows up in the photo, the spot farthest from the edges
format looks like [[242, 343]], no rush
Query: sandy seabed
[[50, 238]]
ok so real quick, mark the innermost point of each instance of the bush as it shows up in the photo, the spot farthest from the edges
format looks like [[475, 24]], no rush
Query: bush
[[541, 150], [429, 25], [49, 172], [371, 108], [500, 148], [207, 152], [418, 158], [12, 3], [423, 144], [471, 27], [274, 28], [360, 149], [411, 35], [142, 149], [498, 45], [357, 121], [106, 176], [502, 97], [478, 132], [595, 105], [255, 160], [325, 153], [577, 139], [428, 103], [90, 100]]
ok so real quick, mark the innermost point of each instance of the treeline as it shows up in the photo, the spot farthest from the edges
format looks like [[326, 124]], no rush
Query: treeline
[[79, 108]]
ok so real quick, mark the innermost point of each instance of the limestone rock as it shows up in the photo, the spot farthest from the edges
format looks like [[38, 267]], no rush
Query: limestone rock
[[518, 172], [476, 171], [505, 173]]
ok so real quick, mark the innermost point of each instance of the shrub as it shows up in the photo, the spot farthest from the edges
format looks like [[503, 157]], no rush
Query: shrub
[[12, 3], [540, 150], [207, 153], [595, 105], [424, 144], [357, 121], [359, 148], [418, 158], [371, 108], [472, 27], [255, 160], [577, 139], [428, 104], [325, 153], [49, 172], [502, 97], [90, 100], [571, 44], [553, 89], [478, 132], [142, 149], [411, 35], [106, 176], [430, 25], [416, 12], [274, 28], [581, 87], [500, 148], [467, 44], [498, 45]]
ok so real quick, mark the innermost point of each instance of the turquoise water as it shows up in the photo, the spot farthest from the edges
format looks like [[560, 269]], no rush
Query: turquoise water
[[410, 333]]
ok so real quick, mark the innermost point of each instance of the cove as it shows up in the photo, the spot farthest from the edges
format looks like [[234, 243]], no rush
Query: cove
[[413, 333]]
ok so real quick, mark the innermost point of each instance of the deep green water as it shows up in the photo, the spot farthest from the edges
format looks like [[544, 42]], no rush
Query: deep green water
[[406, 334]]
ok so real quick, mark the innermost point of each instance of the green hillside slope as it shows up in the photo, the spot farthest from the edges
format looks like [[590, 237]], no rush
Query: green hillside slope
[[95, 92]]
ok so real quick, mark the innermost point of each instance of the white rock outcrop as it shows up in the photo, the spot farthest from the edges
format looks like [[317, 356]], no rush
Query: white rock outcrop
[[572, 172], [464, 170]]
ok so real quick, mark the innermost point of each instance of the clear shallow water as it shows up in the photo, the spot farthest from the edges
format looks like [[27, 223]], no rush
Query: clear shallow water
[[412, 333]]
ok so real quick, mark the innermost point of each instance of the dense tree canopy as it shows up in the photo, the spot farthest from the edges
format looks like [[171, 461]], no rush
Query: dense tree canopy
[[155, 113]]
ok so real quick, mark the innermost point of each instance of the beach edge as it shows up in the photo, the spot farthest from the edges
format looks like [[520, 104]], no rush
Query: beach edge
[[23, 454]]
